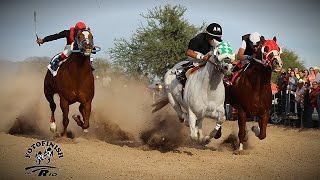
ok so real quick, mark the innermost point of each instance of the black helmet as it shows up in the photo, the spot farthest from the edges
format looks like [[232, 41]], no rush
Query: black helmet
[[214, 30]]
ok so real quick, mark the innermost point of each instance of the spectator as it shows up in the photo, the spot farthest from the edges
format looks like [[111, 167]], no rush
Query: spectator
[[296, 72], [291, 89], [289, 70], [292, 82], [282, 83], [317, 74], [311, 76], [311, 97], [318, 102], [303, 75], [299, 97]]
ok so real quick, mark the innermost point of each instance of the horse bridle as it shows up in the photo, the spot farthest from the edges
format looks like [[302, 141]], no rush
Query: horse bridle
[[269, 57], [218, 64], [85, 40]]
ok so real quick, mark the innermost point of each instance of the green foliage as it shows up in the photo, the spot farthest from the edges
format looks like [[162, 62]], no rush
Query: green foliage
[[101, 66], [289, 59], [156, 47]]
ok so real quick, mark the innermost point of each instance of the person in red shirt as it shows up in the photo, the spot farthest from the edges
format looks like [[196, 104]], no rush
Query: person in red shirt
[[70, 36], [312, 98]]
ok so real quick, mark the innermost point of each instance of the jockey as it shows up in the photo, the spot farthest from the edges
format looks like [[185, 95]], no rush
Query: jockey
[[199, 47], [249, 47], [70, 36]]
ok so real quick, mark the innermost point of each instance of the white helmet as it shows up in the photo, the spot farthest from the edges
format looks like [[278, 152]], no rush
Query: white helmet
[[255, 38]]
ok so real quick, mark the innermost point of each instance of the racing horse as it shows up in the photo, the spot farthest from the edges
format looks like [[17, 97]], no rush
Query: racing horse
[[203, 95], [74, 82], [251, 93]]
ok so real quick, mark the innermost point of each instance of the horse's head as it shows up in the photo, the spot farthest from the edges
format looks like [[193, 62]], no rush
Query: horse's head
[[270, 54], [84, 41], [222, 57]]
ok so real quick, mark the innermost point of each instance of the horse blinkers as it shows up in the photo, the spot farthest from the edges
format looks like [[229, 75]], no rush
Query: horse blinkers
[[271, 55]]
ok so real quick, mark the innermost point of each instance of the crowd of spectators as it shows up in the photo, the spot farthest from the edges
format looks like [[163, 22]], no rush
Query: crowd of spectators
[[299, 93]]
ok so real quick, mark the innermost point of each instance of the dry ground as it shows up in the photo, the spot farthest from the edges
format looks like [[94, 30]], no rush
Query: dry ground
[[126, 141]]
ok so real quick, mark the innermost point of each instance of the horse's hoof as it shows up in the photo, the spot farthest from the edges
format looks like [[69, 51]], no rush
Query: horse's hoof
[[218, 134], [53, 127], [256, 130], [205, 141], [240, 152], [77, 118], [195, 138], [85, 131]]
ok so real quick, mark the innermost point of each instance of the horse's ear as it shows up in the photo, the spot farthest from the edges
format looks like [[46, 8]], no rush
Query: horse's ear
[[275, 38], [262, 40]]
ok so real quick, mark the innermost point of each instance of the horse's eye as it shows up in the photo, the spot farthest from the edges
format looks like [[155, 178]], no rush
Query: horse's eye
[[266, 49]]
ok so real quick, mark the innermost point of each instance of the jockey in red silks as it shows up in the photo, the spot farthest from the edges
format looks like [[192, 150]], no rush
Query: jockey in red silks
[[249, 46], [70, 36]]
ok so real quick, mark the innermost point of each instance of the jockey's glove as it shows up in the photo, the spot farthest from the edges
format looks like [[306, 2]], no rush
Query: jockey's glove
[[39, 41]]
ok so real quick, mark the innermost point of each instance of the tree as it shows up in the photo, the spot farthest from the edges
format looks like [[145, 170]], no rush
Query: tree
[[101, 66], [289, 59], [156, 47]]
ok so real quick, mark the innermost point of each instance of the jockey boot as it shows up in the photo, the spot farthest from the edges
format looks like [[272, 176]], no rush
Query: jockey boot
[[181, 75], [55, 63]]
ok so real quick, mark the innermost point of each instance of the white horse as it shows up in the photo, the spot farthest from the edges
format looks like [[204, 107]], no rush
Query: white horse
[[203, 95]]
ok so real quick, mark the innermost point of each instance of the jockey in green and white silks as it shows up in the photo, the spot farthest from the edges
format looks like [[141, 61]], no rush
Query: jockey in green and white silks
[[203, 95]]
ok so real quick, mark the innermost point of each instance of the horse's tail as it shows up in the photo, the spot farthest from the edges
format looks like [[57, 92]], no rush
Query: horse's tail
[[160, 104]]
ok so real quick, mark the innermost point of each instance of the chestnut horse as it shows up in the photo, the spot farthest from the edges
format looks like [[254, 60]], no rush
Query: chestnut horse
[[74, 83], [251, 94]]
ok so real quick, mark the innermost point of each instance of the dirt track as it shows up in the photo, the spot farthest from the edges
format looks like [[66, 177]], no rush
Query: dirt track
[[114, 149], [285, 154]]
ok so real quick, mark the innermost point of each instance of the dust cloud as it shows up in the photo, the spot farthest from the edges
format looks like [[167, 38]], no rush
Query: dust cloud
[[120, 112]]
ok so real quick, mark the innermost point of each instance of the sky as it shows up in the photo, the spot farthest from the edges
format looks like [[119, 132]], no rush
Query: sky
[[295, 23]]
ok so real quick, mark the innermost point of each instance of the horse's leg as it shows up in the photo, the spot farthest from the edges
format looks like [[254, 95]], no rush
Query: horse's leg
[[199, 127], [85, 112], [242, 128], [176, 107], [216, 132], [192, 118], [260, 131], [49, 96], [77, 118], [64, 104]]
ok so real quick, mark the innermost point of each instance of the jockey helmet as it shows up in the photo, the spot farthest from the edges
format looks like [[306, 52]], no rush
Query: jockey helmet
[[255, 38], [214, 31], [80, 25]]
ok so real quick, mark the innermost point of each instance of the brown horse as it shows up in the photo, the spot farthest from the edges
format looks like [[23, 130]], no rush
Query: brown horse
[[251, 93], [74, 83]]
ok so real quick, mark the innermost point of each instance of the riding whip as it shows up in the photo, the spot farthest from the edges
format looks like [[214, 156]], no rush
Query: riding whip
[[35, 25]]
